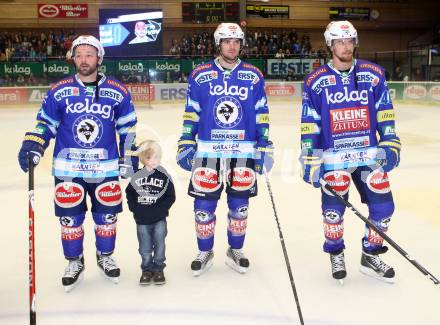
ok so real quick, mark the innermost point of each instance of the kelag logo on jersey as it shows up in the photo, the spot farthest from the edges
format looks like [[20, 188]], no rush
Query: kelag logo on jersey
[[346, 97], [66, 92], [350, 119], [87, 130], [94, 108], [227, 112], [241, 92], [206, 76]]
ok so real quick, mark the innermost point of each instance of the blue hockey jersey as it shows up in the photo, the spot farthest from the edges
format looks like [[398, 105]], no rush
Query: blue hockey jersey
[[227, 110], [85, 129], [344, 112]]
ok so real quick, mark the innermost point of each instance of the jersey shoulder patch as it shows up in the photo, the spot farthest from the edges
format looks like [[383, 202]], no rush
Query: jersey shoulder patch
[[368, 66], [201, 68], [253, 68], [315, 74], [63, 82], [116, 84]]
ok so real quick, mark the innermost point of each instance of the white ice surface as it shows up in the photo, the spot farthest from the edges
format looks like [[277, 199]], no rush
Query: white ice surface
[[264, 294]]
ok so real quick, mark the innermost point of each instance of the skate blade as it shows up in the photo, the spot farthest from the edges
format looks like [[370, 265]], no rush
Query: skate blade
[[369, 272], [341, 282], [240, 269], [69, 288], [114, 280], [203, 270]]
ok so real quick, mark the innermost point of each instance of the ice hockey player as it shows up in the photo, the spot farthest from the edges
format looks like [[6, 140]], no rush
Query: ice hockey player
[[83, 113], [225, 136], [348, 133]]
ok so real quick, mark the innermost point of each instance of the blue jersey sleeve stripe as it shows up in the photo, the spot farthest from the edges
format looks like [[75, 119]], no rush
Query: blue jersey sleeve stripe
[[126, 118]]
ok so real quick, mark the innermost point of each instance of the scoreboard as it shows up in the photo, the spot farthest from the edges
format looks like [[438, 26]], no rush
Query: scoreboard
[[210, 12]]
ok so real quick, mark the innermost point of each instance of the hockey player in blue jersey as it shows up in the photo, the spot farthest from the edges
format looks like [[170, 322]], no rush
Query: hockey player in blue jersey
[[348, 134], [83, 113], [225, 136]]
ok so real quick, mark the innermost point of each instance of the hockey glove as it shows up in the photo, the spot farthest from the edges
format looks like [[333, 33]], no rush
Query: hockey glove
[[388, 155], [312, 167], [264, 157], [128, 165], [186, 150], [33, 147]]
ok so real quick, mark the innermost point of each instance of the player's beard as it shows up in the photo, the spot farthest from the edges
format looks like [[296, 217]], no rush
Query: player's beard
[[86, 70], [346, 56]]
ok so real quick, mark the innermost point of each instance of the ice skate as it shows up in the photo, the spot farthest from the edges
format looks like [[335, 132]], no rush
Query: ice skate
[[108, 267], [236, 260], [202, 263], [73, 274], [339, 271], [372, 265]]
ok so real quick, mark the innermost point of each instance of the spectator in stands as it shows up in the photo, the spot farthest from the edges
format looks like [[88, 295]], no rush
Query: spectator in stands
[[291, 75], [20, 82], [183, 78], [417, 74], [397, 74], [279, 54]]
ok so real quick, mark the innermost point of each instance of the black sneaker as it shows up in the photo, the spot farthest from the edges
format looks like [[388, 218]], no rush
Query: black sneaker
[[73, 274], [108, 267], [236, 260], [337, 261], [372, 265], [158, 277], [202, 262], [146, 278]]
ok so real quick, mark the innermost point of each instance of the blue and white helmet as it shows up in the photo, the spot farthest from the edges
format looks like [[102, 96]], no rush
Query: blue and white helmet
[[87, 40], [228, 30], [339, 30]]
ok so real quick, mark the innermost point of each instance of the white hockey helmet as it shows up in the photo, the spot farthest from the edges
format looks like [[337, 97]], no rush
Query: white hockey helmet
[[339, 30], [88, 40], [228, 30]]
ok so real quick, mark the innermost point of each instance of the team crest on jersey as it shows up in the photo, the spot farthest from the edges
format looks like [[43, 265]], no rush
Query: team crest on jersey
[[206, 77], [87, 130], [66, 92], [227, 112]]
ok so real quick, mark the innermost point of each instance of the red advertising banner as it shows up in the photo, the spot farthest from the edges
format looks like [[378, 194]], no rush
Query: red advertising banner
[[141, 92], [11, 96], [72, 10]]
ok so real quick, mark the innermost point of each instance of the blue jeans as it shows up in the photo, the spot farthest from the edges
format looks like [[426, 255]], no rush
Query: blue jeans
[[152, 245]]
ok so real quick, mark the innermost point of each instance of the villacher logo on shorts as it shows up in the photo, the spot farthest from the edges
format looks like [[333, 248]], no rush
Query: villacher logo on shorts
[[68, 194], [109, 193]]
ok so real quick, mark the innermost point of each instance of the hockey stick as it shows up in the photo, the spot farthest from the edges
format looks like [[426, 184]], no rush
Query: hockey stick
[[283, 245], [33, 316], [381, 233]]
